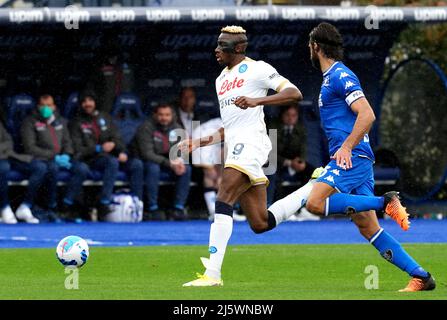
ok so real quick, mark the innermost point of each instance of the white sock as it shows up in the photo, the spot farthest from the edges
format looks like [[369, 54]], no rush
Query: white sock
[[220, 233], [210, 199], [286, 207]]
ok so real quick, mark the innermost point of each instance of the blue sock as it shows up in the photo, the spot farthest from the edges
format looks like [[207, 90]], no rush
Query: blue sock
[[392, 251], [340, 202]]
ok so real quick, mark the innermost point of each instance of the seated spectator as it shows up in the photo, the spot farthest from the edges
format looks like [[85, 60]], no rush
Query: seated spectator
[[98, 146], [7, 153], [186, 110], [46, 138], [152, 144], [291, 152]]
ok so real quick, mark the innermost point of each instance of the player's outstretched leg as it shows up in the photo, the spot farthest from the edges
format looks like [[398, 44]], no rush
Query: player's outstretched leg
[[286, 207], [234, 183], [391, 250], [322, 202]]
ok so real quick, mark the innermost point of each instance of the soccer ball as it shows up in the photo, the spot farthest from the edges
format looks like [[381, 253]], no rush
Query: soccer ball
[[72, 252]]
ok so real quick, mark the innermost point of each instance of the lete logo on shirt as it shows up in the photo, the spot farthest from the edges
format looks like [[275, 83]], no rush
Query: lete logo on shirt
[[229, 85]]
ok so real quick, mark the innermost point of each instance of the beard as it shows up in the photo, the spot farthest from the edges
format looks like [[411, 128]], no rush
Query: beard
[[315, 61]]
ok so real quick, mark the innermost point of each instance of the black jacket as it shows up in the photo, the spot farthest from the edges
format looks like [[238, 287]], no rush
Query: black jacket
[[44, 140], [152, 142], [290, 145], [7, 147], [88, 131]]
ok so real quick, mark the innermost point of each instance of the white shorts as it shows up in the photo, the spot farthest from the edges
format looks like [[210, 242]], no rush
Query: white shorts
[[248, 154]]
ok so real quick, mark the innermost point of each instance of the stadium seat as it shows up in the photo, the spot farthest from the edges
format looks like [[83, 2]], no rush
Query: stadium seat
[[71, 106], [127, 115], [19, 107]]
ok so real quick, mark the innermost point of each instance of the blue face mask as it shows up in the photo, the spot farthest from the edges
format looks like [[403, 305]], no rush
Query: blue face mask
[[46, 112]]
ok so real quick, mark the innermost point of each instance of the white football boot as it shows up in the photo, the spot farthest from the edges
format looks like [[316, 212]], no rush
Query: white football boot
[[8, 216], [203, 280], [24, 213]]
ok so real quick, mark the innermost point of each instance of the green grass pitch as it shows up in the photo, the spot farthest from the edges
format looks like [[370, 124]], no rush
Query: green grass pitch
[[285, 272]]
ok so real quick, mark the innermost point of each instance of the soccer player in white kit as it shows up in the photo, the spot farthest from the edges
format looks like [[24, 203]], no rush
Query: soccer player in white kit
[[242, 92]]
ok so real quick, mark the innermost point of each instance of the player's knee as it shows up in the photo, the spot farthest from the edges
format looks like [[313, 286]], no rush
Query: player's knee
[[315, 206], [259, 227]]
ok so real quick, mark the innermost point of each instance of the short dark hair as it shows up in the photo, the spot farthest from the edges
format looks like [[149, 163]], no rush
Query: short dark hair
[[286, 108], [44, 96], [328, 39], [87, 94], [187, 88], [163, 105]]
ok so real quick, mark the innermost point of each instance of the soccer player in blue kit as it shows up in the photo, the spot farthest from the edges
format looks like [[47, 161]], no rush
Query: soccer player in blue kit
[[346, 185]]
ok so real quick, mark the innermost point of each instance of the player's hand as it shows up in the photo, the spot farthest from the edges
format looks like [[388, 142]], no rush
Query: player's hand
[[343, 158], [188, 145], [246, 102], [122, 157], [287, 163], [178, 166]]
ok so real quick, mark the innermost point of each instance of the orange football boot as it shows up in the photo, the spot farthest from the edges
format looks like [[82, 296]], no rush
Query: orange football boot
[[420, 284], [395, 210]]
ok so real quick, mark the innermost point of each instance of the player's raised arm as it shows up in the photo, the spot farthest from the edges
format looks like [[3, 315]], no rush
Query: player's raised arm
[[189, 145], [269, 78]]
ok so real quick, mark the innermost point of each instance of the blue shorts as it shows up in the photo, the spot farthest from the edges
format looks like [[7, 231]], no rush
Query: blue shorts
[[357, 180]]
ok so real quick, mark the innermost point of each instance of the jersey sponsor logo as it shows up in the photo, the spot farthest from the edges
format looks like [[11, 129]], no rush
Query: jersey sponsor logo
[[320, 101], [243, 68], [349, 84], [230, 85], [343, 75], [227, 102]]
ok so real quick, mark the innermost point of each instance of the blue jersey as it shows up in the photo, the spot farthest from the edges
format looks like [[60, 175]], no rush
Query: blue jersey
[[339, 90]]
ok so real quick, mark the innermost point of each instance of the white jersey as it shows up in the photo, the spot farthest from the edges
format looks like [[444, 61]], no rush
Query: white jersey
[[246, 140], [252, 79]]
